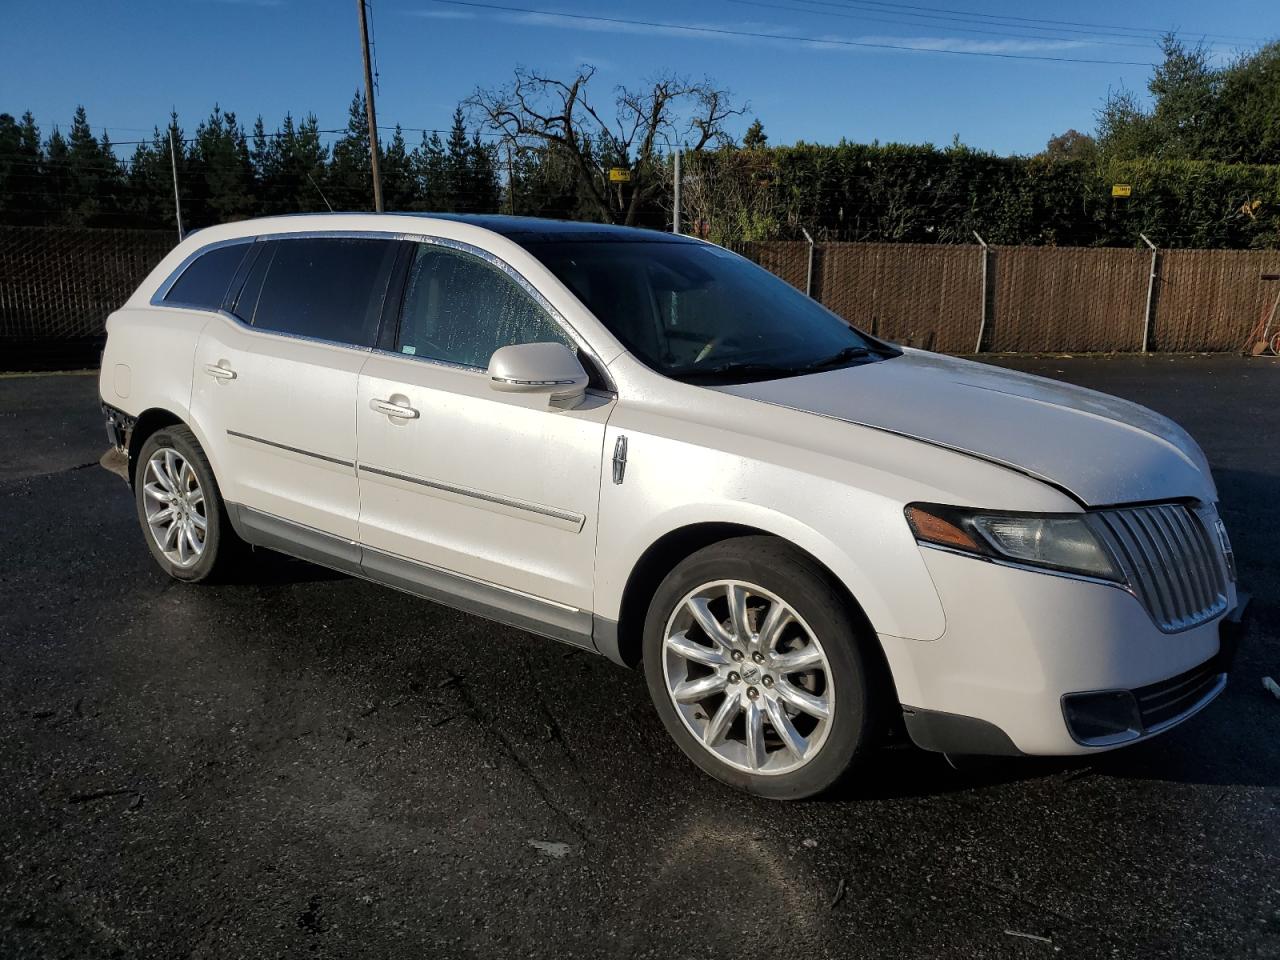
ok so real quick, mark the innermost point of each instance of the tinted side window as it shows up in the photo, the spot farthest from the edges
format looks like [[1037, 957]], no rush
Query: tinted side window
[[460, 309], [327, 288], [205, 281]]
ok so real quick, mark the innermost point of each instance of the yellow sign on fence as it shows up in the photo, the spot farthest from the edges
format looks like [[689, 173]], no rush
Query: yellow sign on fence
[[1121, 189], [619, 175]]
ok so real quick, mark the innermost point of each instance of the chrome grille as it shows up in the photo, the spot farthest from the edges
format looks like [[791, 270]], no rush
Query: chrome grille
[[1172, 559]]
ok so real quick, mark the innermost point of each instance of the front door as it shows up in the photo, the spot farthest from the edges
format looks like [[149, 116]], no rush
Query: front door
[[496, 489]]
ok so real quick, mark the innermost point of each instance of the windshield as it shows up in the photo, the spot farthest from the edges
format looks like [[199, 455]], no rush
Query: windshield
[[697, 312]]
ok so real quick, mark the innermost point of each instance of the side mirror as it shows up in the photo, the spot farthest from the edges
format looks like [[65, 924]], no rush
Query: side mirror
[[545, 368]]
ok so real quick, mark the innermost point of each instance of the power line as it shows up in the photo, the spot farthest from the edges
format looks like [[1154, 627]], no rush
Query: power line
[[981, 20], [860, 17], [1148, 31], [760, 35]]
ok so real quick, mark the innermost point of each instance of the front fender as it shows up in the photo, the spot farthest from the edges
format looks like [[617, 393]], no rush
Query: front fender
[[861, 537]]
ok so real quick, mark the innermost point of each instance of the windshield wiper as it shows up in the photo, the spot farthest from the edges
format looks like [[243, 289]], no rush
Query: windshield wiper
[[764, 370], [733, 368], [838, 358]]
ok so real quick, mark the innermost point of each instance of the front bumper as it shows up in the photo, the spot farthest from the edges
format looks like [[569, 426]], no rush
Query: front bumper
[[1019, 645]]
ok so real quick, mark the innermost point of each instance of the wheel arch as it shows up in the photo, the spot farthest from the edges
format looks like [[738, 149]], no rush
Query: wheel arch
[[661, 556], [157, 418]]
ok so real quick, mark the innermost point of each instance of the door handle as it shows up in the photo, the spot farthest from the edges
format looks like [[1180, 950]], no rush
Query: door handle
[[397, 411], [220, 371]]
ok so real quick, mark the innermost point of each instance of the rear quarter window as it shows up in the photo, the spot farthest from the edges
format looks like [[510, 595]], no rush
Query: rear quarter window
[[205, 281]]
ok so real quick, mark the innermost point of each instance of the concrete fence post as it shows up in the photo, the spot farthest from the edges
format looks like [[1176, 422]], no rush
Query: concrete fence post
[[1147, 318], [982, 324]]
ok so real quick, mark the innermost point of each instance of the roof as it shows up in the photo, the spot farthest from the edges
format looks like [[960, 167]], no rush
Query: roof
[[524, 230]]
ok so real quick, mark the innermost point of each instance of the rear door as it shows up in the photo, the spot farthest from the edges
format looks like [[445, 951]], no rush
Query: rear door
[[276, 376]]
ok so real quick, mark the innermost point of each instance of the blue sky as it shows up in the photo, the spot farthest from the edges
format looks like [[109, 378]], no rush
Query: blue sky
[[128, 63]]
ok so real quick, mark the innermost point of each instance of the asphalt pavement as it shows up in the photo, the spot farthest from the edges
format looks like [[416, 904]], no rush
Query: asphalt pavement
[[303, 764]]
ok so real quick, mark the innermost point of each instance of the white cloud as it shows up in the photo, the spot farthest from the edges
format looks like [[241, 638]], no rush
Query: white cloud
[[445, 14], [778, 34]]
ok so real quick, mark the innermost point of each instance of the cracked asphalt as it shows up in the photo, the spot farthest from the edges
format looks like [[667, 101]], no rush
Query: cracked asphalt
[[303, 764]]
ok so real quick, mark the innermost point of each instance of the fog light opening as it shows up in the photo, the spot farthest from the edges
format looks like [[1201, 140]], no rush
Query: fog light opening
[[1102, 719]]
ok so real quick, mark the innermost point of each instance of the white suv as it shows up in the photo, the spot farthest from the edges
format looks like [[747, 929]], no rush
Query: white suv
[[646, 446]]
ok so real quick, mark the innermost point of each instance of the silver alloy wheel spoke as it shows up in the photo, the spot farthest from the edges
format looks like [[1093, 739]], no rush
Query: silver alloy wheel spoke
[[701, 610], [692, 691], [785, 729], [795, 661], [737, 597], [776, 620], [174, 503], [697, 652], [755, 736], [719, 724], [755, 703], [802, 699]]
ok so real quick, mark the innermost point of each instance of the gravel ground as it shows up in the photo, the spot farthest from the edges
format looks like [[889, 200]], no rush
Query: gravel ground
[[305, 764]]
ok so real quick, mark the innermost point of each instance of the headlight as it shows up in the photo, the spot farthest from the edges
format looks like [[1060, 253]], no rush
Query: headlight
[[1066, 542]]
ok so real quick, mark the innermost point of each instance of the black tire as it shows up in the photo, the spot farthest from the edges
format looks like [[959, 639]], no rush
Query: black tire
[[221, 546], [860, 685]]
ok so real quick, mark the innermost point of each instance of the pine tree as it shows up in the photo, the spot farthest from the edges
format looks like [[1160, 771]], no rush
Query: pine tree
[[399, 187], [429, 171], [150, 177], [58, 182], [92, 176], [22, 190], [222, 182], [755, 138], [265, 161], [482, 176], [350, 180]]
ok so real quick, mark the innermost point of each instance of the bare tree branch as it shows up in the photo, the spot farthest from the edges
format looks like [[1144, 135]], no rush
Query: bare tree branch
[[559, 114]]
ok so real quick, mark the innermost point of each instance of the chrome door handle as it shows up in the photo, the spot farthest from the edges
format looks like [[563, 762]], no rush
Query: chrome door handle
[[391, 409], [219, 372]]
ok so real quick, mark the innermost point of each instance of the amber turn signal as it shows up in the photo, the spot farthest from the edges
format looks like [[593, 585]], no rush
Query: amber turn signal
[[934, 529]]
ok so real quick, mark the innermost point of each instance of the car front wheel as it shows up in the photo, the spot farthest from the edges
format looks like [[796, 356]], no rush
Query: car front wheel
[[757, 668]]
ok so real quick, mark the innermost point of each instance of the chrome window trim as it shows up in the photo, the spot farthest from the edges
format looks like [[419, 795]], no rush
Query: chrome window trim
[[523, 283], [157, 298], [393, 235]]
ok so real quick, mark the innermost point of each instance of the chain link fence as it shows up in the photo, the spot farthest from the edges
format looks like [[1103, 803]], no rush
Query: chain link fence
[[57, 286]]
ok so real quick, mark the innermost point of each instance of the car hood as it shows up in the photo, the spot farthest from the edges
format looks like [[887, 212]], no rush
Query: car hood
[[1100, 449]]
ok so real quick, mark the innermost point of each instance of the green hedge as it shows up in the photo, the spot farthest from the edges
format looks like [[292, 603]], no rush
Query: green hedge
[[923, 194]]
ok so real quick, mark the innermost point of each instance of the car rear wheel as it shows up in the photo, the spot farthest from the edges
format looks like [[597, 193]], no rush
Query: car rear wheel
[[179, 507], [755, 665]]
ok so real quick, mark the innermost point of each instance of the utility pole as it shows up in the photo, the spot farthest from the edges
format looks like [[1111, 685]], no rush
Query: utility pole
[[675, 220], [369, 110], [173, 163]]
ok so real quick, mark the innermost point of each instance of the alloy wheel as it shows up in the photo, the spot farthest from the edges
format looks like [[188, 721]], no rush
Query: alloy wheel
[[175, 507], [748, 677]]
